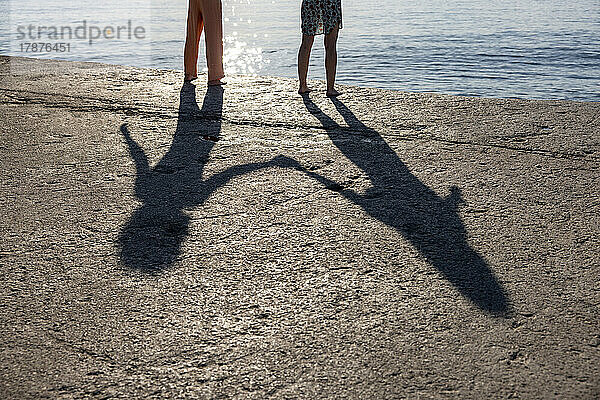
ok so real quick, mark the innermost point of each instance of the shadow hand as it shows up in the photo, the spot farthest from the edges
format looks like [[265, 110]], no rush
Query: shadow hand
[[455, 199]]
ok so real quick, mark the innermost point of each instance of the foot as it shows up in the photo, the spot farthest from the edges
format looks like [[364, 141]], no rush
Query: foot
[[216, 82], [189, 78], [332, 93], [304, 90]]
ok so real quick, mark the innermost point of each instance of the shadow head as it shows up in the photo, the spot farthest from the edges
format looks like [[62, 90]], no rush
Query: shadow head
[[152, 240]]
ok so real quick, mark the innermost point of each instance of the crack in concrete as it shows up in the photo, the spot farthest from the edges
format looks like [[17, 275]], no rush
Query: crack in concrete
[[144, 109], [131, 110], [541, 152], [79, 349]]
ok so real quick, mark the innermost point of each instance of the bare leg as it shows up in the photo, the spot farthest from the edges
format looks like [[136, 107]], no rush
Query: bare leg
[[303, 60], [213, 35], [195, 25], [331, 60]]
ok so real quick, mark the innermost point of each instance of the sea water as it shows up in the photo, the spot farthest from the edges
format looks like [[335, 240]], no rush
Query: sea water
[[542, 49]]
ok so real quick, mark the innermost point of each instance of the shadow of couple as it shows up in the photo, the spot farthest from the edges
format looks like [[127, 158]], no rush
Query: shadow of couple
[[152, 238]]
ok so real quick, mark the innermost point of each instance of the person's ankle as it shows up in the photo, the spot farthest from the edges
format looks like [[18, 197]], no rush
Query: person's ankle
[[303, 89], [216, 82]]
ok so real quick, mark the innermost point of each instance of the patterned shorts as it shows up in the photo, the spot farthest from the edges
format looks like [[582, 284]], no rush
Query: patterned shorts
[[321, 16]]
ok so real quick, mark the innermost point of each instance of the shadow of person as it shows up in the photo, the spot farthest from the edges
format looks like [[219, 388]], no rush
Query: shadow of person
[[400, 200], [152, 238]]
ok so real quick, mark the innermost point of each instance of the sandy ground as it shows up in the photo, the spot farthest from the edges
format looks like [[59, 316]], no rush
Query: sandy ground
[[162, 240]]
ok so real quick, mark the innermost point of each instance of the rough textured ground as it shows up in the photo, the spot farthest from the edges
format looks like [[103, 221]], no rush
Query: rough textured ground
[[162, 241]]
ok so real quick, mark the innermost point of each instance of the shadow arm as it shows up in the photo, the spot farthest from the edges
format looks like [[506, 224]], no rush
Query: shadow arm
[[330, 184], [137, 153], [222, 178]]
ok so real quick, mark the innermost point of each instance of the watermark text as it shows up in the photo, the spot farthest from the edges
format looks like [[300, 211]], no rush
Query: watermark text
[[83, 31]]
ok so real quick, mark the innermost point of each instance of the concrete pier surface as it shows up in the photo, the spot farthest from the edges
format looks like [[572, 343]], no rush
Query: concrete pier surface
[[161, 240]]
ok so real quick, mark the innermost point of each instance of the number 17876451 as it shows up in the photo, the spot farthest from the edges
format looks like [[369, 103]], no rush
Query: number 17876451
[[41, 47]]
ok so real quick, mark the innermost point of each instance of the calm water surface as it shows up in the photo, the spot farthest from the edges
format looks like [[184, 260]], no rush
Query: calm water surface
[[544, 49]]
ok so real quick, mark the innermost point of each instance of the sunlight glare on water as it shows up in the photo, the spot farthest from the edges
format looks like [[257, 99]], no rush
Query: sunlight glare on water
[[240, 55], [548, 49]]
